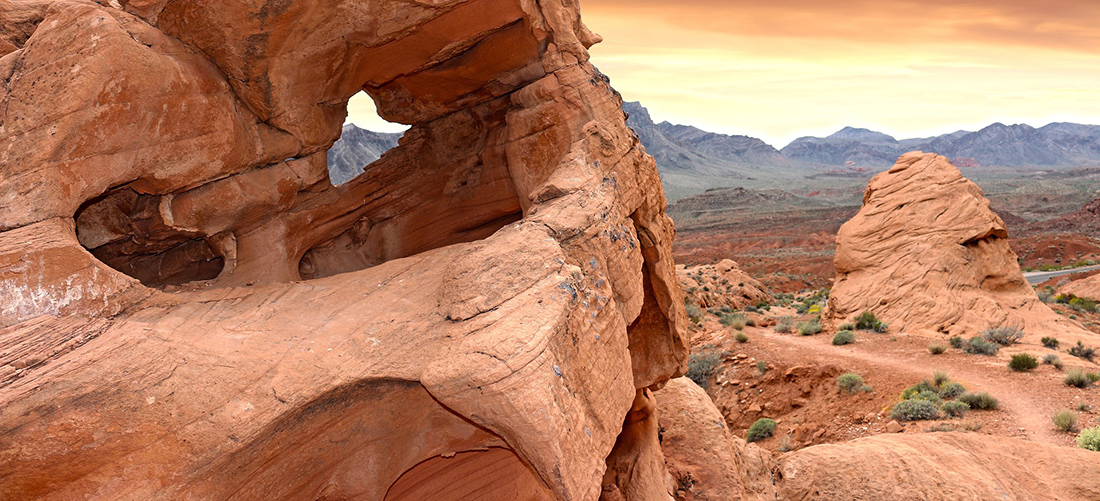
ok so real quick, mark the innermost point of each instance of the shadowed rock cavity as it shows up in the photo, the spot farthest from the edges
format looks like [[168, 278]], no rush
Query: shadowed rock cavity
[[483, 306]]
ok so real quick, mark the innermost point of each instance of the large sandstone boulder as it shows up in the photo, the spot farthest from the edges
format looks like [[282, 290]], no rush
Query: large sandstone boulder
[[938, 466], [704, 458], [190, 310], [927, 255], [1088, 287]]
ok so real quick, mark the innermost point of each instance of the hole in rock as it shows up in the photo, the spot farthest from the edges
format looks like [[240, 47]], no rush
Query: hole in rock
[[365, 137], [124, 230]]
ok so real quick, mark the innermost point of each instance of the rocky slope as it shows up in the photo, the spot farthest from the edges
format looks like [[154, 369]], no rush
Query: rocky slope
[[189, 309], [356, 149], [722, 284], [927, 255]]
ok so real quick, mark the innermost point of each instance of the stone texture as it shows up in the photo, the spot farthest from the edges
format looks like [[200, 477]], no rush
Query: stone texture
[[495, 294], [722, 284], [938, 466], [927, 256], [705, 459], [1088, 287]]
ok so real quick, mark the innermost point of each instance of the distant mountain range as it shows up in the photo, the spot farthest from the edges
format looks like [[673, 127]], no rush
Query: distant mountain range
[[692, 160], [356, 149]]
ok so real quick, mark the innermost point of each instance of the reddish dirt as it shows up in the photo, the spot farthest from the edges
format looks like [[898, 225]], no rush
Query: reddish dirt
[[799, 389]]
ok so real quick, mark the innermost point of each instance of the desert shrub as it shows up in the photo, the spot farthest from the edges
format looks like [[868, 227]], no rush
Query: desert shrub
[[1045, 296], [979, 401], [1052, 359], [847, 326], [761, 429], [784, 444], [940, 378], [952, 390], [955, 342], [1051, 342], [843, 338], [701, 364], [784, 326], [1003, 336], [1094, 377], [1089, 438], [955, 409], [761, 367], [735, 320], [913, 410], [1083, 407], [923, 386], [1083, 305], [809, 328], [850, 383], [867, 321], [1077, 378], [694, 313], [1082, 351], [978, 345], [940, 427], [1065, 421], [741, 337], [1023, 362], [937, 349]]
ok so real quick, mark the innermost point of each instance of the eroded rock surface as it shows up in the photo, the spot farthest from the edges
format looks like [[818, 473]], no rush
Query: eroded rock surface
[[927, 255], [722, 284], [939, 466], [191, 309]]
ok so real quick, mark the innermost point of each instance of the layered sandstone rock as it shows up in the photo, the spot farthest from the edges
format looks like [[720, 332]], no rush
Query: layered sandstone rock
[[705, 460], [722, 284], [938, 466], [927, 255], [190, 309], [1088, 287]]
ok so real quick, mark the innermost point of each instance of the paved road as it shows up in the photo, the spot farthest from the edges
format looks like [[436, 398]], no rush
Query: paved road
[[1035, 277]]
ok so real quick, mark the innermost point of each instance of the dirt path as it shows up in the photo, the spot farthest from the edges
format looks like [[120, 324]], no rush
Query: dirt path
[[1028, 400]]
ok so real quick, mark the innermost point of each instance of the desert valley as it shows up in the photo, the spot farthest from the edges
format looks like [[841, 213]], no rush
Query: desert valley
[[215, 285]]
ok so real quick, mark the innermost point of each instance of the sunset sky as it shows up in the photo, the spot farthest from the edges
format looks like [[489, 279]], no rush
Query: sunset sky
[[782, 69]]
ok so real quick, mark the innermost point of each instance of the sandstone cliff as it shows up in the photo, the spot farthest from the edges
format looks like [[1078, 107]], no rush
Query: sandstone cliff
[[927, 255], [190, 309]]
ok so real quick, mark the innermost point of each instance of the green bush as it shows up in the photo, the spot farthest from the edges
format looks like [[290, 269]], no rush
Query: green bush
[[741, 337], [1065, 421], [939, 378], [956, 342], [913, 410], [847, 326], [936, 349], [784, 326], [1003, 336], [809, 328], [952, 390], [694, 313], [844, 337], [850, 383], [735, 320], [701, 364], [1051, 342], [923, 386], [1094, 377], [1083, 305], [761, 429], [761, 367], [1023, 362], [1077, 378], [955, 409], [1082, 351], [867, 321], [978, 345], [1089, 438], [1052, 359], [979, 401]]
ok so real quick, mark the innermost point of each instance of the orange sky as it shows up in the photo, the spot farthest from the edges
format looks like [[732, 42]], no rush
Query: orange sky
[[782, 69]]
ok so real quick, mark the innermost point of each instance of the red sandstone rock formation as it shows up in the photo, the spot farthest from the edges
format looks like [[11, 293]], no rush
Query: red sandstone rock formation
[[1088, 287], [722, 284], [926, 254], [189, 309]]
